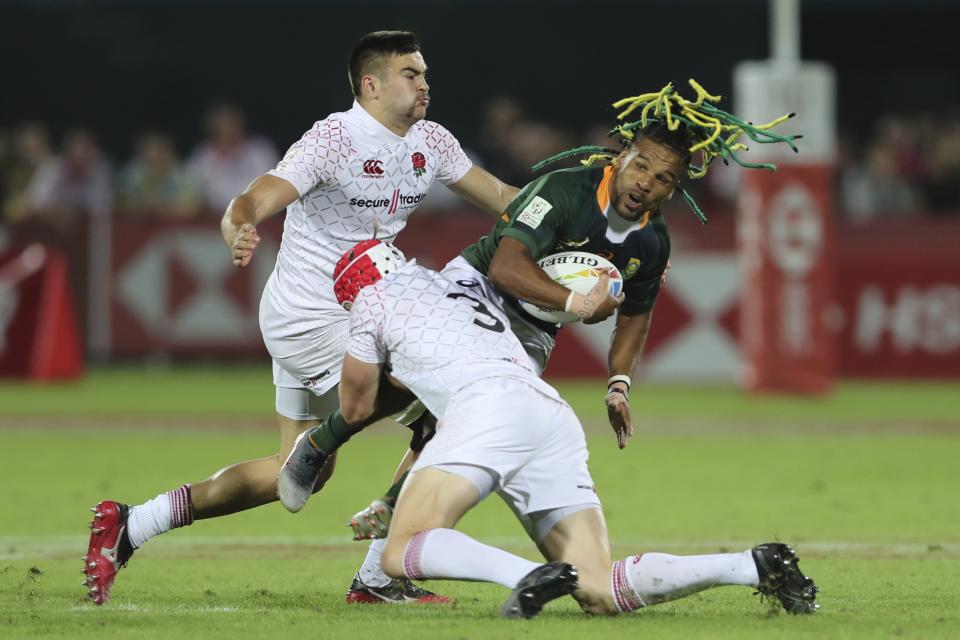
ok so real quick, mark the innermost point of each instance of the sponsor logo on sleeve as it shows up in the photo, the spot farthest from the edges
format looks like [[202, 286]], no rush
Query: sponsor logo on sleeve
[[532, 214], [633, 265]]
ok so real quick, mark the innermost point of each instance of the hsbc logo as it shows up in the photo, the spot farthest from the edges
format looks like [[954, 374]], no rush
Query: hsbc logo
[[176, 289], [373, 168], [396, 202], [913, 318]]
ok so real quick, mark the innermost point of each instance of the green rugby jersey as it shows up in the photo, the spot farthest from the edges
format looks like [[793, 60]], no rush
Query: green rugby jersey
[[566, 210]]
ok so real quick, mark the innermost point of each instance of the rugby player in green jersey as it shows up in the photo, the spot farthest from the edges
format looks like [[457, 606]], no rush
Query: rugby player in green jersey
[[610, 207], [610, 210]]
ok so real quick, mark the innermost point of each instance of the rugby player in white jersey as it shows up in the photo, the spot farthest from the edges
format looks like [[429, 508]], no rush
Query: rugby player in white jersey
[[500, 429], [351, 173]]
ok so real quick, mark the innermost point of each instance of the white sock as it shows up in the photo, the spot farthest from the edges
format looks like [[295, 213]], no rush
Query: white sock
[[167, 511], [371, 574], [651, 578], [449, 554]]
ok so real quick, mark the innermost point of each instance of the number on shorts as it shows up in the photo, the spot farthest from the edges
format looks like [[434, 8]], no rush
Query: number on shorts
[[482, 316]]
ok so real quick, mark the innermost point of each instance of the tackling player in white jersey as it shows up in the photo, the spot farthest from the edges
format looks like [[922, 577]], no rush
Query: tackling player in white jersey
[[500, 429], [351, 173]]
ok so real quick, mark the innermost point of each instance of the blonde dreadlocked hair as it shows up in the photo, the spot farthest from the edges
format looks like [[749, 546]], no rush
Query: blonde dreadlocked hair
[[687, 127]]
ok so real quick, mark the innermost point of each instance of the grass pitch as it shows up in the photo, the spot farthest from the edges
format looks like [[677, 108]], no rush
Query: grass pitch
[[863, 483]]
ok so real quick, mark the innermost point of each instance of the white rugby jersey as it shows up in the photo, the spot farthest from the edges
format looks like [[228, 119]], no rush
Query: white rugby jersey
[[349, 171], [438, 336]]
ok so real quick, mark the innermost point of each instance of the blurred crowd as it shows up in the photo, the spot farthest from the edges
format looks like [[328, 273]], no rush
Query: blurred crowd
[[58, 185], [904, 167]]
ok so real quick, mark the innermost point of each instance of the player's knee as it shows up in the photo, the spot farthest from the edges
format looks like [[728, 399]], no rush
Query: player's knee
[[391, 561]]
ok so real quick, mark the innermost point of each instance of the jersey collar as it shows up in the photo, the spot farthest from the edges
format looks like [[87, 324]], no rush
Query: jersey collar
[[371, 125], [603, 190]]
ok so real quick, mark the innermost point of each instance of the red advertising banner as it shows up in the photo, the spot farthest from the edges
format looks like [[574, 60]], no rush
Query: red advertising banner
[[174, 290], [39, 338], [786, 258], [900, 301], [895, 312]]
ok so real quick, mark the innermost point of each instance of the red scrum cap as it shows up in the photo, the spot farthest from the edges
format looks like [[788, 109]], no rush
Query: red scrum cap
[[363, 265]]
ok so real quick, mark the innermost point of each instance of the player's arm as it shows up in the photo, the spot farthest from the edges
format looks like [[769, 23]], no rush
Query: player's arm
[[484, 190], [266, 196], [629, 337], [514, 271], [359, 385]]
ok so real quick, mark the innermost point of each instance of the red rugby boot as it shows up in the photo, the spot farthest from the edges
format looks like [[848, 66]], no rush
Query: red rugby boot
[[109, 549]]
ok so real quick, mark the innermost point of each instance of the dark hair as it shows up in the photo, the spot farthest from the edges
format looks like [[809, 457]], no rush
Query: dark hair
[[679, 140], [375, 45]]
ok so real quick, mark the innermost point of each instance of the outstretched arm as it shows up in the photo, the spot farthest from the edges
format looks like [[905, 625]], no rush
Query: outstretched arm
[[484, 190], [266, 196], [629, 336]]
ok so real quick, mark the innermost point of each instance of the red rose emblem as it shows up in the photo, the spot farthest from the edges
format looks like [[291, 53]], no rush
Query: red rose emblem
[[419, 163]]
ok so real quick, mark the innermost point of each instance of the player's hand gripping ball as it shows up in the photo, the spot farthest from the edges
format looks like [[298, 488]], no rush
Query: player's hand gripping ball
[[578, 271]]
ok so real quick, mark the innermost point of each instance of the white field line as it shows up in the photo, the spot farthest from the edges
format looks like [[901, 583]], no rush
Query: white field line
[[166, 610], [27, 547]]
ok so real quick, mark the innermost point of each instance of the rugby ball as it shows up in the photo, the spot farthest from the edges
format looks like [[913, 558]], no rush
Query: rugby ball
[[577, 271]]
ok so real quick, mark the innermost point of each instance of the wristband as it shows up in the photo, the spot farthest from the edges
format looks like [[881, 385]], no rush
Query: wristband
[[620, 391], [619, 378], [569, 303]]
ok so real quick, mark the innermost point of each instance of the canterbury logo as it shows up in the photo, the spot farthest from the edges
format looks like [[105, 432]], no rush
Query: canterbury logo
[[373, 167]]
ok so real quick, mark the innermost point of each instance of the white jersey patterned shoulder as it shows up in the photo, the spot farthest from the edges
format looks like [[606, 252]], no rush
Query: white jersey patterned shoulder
[[438, 335], [351, 171]]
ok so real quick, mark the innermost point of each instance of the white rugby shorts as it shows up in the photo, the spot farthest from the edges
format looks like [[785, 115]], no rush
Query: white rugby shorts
[[307, 358], [532, 444]]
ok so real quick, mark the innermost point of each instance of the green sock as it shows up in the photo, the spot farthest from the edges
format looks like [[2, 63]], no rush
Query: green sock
[[330, 434], [391, 496]]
